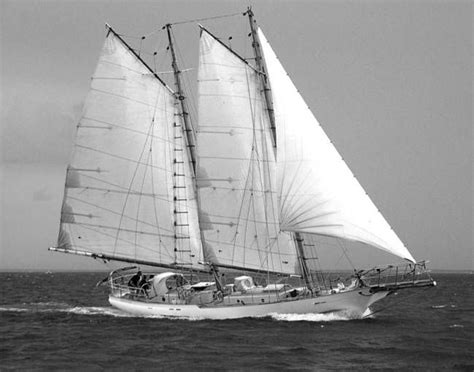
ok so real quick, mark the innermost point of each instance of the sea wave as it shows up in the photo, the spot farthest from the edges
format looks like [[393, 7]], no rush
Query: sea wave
[[329, 317], [51, 307]]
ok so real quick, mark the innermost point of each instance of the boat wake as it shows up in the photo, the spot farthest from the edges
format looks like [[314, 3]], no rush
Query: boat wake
[[328, 317], [60, 307], [54, 307]]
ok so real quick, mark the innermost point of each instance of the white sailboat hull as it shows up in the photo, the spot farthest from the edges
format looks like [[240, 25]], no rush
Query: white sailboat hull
[[353, 303]]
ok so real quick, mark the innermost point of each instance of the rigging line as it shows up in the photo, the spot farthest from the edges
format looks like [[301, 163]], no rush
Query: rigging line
[[206, 18], [228, 49], [256, 167], [113, 212], [125, 67], [169, 120], [123, 191], [319, 269], [114, 228], [187, 87], [253, 107], [138, 57], [138, 163], [121, 127], [224, 127], [344, 250], [131, 184], [188, 129], [140, 37], [120, 96], [249, 171], [140, 199], [251, 159], [113, 237], [232, 188], [266, 167], [243, 246], [254, 220], [247, 217], [155, 209]]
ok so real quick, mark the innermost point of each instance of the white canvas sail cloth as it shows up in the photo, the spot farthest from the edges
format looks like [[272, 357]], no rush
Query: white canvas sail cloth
[[237, 170], [317, 191], [119, 188]]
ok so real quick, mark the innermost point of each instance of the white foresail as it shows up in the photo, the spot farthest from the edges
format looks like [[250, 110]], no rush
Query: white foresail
[[236, 165], [119, 195], [317, 192]]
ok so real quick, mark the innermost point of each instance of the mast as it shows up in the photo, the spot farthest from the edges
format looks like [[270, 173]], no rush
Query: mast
[[263, 76], [181, 222], [190, 141], [182, 99], [260, 63]]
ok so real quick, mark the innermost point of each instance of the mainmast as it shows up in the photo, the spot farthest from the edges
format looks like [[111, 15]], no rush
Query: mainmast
[[260, 64]]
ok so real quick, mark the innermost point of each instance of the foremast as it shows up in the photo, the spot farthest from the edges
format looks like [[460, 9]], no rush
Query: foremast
[[91, 204], [266, 89]]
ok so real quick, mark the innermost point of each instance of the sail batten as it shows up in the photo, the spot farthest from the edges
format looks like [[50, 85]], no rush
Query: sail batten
[[317, 192]]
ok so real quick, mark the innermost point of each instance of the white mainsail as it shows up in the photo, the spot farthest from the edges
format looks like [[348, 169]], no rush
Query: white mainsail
[[236, 165], [317, 192], [119, 196]]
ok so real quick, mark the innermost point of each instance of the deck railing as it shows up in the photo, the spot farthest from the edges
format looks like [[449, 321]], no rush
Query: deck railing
[[393, 277]]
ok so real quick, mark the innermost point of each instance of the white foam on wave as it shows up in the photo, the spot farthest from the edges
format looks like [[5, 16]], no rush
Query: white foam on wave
[[56, 307], [13, 309], [91, 310], [50, 307], [329, 317]]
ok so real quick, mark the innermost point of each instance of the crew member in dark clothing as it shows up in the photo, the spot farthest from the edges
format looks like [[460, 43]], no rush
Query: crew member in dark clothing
[[135, 280], [143, 283]]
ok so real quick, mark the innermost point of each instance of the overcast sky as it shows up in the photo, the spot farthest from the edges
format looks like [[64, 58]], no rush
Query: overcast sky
[[390, 82]]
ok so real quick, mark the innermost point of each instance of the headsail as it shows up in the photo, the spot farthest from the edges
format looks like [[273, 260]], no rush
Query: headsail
[[317, 192], [119, 196], [236, 165]]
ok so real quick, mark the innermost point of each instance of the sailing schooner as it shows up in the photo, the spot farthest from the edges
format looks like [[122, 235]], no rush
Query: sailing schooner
[[239, 196]]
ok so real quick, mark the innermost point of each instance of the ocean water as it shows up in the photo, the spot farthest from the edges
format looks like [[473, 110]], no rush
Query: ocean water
[[60, 321]]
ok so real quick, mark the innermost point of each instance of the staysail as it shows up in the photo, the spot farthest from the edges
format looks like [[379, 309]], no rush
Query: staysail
[[317, 192], [120, 193], [236, 174]]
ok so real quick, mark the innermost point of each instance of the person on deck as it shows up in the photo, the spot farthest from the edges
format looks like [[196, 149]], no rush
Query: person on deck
[[143, 283], [135, 280]]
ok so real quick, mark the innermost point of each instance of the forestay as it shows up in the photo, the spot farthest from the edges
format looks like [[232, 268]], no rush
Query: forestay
[[317, 192], [236, 165], [119, 188]]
